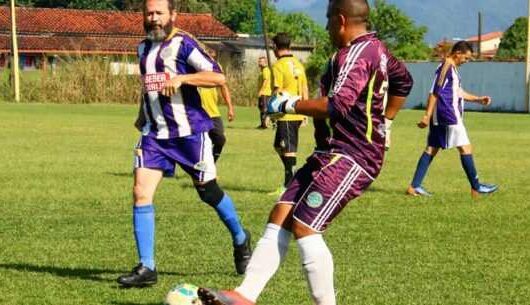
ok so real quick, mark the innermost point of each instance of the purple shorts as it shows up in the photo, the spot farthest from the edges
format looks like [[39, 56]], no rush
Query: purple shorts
[[323, 187], [193, 153]]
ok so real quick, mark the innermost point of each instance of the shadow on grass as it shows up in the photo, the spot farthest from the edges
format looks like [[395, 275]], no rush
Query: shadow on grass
[[230, 187], [123, 174], [131, 303], [89, 274]]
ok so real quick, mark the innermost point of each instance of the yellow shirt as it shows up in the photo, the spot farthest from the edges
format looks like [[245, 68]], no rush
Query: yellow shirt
[[289, 76], [209, 100], [265, 82]]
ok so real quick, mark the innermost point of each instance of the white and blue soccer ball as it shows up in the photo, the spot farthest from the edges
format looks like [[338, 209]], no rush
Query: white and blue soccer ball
[[183, 294]]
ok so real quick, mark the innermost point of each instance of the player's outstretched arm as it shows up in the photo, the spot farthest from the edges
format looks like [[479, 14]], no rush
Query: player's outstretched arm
[[282, 103], [425, 119], [483, 100], [205, 79], [393, 106], [225, 93]]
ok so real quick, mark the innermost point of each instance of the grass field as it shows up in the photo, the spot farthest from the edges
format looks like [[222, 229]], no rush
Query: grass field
[[65, 221]]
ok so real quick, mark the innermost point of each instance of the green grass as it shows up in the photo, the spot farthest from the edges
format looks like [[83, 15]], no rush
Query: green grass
[[65, 221]]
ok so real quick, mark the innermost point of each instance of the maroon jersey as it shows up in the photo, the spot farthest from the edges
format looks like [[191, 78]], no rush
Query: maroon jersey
[[356, 82]]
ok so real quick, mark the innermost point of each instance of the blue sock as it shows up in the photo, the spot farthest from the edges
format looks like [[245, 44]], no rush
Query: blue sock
[[469, 168], [227, 212], [144, 233], [421, 169]]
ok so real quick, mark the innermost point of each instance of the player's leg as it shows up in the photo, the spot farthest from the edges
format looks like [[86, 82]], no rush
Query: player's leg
[[286, 144], [339, 181], [457, 137], [290, 150], [468, 164], [317, 263], [415, 188], [262, 107], [436, 139], [197, 160], [217, 135], [268, 254], [271, 249], [149, 166]]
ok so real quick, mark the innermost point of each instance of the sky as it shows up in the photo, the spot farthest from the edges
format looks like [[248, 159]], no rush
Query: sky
[[452, 19]]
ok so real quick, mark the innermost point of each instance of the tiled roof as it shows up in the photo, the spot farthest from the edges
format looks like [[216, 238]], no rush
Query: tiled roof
[[72, 45], [89, 31], [486, 36]]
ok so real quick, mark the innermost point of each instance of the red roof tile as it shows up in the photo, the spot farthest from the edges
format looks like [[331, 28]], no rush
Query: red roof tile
[[486, 36], [94, 31]]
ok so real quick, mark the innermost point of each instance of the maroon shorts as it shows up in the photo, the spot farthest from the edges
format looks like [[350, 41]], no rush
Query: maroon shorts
[[323, 187]]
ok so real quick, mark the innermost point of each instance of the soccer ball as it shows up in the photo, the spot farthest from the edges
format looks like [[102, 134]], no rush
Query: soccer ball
[[183, 294]]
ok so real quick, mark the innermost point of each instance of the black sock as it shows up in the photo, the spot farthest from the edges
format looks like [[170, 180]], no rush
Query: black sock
[[288, 163]]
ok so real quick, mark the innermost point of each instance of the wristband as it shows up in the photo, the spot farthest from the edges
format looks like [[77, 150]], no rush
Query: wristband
[[289, 106]]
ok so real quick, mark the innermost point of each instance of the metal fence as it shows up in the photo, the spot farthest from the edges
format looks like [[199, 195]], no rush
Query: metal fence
[[503, 81]]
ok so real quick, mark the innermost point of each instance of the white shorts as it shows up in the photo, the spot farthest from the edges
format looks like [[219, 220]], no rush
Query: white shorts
[[447, 136]]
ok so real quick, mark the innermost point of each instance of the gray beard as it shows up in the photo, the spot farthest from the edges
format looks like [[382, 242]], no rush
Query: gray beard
[[156, 35], [159, 35]]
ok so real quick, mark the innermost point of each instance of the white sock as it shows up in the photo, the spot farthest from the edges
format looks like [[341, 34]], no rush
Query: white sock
[[317, 263], [266, 258]]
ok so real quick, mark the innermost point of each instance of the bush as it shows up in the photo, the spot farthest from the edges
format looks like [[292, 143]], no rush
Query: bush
[[90, 81]]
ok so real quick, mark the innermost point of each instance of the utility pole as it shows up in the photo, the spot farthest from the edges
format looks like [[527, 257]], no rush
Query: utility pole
[[479, 47], [14, 54], [266, 40], [527, 80]]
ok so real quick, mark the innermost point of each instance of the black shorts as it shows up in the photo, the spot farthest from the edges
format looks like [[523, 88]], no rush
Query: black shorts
[[217, 133], [262, 103], [286, 138]]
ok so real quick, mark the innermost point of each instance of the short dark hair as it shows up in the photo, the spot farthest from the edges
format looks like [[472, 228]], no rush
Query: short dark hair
[[356, 10], [170, 5], [282, 41], [462, 46]]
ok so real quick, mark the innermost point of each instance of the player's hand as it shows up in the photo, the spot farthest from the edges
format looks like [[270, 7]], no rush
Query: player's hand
[[484, 100], [231, 114], [424, 122], [171, 86], [280, 104]]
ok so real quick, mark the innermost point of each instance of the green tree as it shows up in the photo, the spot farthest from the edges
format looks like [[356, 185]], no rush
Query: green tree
[[402, 37], [514, 40]]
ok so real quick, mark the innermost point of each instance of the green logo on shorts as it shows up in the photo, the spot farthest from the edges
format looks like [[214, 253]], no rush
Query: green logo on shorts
[[314, 199]]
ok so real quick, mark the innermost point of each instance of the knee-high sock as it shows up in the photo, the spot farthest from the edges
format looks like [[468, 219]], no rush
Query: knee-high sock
[[317, 263], [227, 213], [471, 172], [269, 253], [421, 169], [144, 233], [288, 164]]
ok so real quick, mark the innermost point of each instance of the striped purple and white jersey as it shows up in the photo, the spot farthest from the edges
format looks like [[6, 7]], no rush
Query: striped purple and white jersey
[[356, 82], [447, 88], [181, 114]]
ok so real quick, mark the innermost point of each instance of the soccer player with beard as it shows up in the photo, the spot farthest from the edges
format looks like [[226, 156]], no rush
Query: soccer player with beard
[[358, 78], [174, 129]]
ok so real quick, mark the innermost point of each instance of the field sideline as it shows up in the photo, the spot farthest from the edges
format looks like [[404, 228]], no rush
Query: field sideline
[[65, 225]]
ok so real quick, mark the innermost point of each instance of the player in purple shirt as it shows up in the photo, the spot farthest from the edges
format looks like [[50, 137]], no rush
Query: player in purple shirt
[[349, 156], [174, 130], [445, 118]]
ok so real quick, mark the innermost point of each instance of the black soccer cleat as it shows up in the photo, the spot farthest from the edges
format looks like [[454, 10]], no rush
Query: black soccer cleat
[[140, 276], [242, 254]]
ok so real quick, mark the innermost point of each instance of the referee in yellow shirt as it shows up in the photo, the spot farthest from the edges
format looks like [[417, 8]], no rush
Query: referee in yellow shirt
[[209, 101], [264, 93], [289, 76]]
